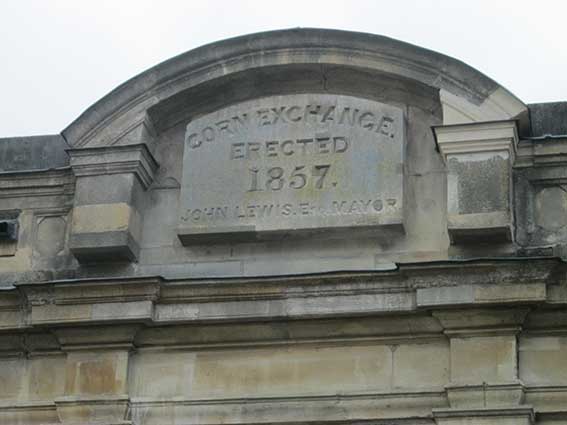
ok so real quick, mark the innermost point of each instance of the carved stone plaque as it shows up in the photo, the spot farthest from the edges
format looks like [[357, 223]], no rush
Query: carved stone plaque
[[283, 164]]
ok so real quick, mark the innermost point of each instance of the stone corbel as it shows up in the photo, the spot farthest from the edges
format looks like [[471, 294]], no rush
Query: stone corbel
[[111, 181], [479, 159]]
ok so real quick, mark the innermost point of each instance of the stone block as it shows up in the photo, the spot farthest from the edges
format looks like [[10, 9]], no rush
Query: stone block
[[419, 366], [401, 407], [29, 413], [33, 153], [481, 294], [291, 164], [261, 372], [12, 375], [163, 374], [96, 372], [520, 415], [543, 360], [98, 339], [93, 410], [50, 235], [485, 395], [398, 328], [551, 208], [11, 311], [479, 159], [300, 370], [45, 377], [94, 313], [106, 160], [289, 307], [106, 222], [549, 118], [105, 231], [482, 321], [549, 399], [488, 359]]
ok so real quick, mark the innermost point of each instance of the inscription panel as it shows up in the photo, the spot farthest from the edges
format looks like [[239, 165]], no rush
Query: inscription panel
[[291, 163]]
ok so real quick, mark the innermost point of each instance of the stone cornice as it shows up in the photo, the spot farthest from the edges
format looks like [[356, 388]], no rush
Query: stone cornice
[[482, 321], [96, 291], [541, 153], [94, 161], [37, 183], [397, 406], [492, 284], [483, 137]]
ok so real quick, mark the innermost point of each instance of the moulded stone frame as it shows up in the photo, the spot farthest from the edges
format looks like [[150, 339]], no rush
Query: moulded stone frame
[[129, 113]]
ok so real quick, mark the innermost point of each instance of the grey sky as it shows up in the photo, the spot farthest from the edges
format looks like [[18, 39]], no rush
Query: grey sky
[[59, 57]]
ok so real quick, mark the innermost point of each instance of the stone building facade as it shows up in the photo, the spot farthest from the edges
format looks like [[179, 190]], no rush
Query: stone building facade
[[299, 226]]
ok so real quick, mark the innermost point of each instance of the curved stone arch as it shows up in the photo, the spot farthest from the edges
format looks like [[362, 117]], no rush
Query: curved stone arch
[[135, 111]]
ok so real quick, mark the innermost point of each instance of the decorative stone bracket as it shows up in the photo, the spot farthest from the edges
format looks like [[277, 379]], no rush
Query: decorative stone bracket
[[106, 223], [479, 159]]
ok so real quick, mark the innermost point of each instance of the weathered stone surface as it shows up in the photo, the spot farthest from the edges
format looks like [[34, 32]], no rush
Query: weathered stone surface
[[548, 118], [479, 156], [106, 223], [353, 310], [522, 415], [551, 208], [291, 163], [540, 200], [33, 153], [96, 373], [50, 235], [485, 395], [543, 359], [480, 294], [483, 359]]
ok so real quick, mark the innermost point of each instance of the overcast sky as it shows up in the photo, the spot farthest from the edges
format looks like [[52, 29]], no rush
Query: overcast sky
[[59, 57]]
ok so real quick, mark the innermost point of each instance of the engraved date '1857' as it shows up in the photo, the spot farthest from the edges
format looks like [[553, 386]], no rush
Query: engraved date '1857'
[[276, 178]]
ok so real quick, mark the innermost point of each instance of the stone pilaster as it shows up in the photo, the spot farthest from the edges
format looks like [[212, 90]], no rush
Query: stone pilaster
[[484, 384], [96, 375]]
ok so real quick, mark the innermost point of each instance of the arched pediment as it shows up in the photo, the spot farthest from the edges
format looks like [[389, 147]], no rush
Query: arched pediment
[[281, 62]]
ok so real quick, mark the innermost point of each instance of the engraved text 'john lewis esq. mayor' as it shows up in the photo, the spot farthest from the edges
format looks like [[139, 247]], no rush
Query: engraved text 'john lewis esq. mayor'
[[295, 162]]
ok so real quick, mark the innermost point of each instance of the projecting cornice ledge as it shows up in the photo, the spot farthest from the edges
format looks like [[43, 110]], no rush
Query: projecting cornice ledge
[[411, 289]]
